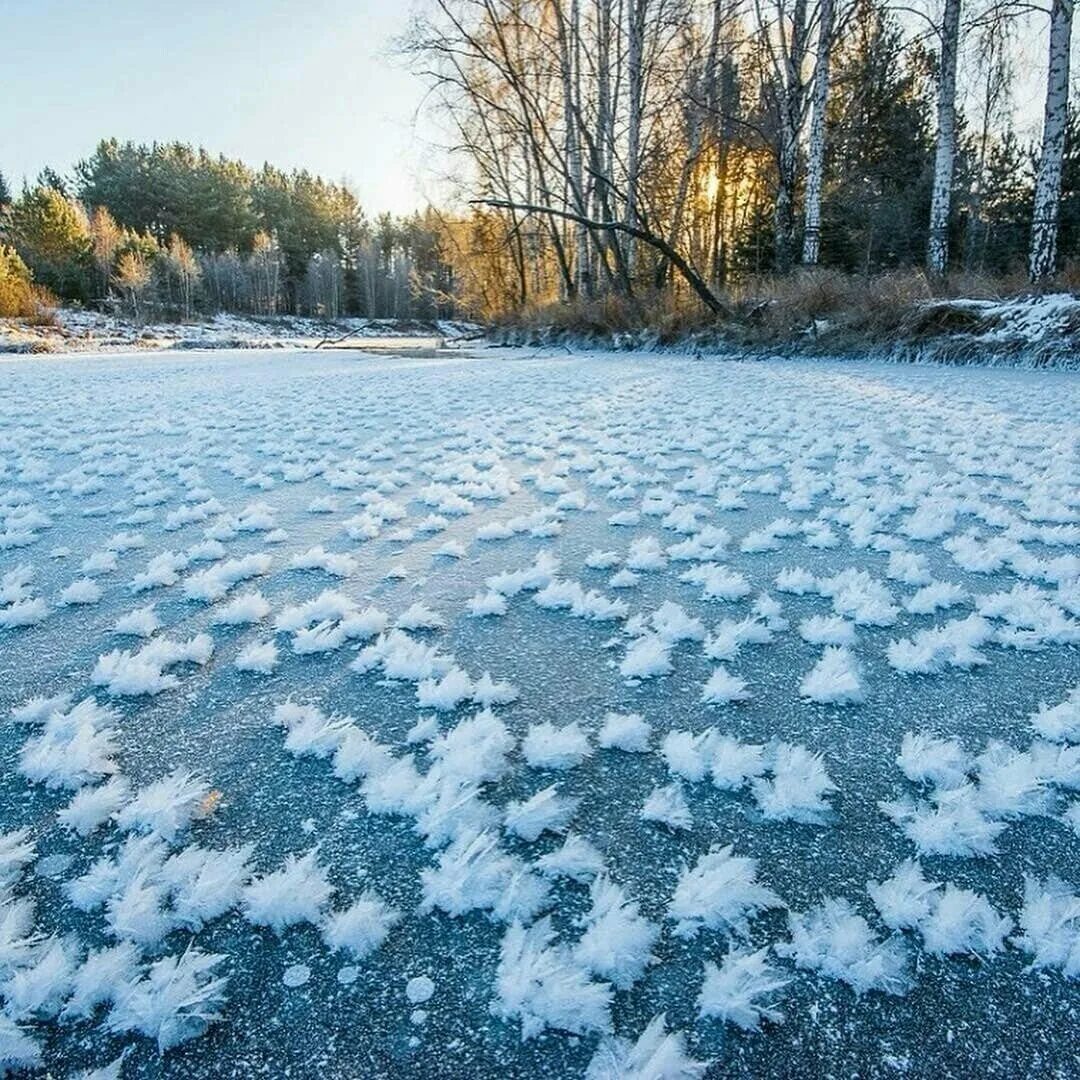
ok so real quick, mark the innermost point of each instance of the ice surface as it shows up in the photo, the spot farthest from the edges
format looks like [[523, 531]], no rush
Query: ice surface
[[614, 696]]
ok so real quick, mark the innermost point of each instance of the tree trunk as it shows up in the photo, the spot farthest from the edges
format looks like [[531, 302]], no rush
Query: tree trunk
[[569, 60], [1044, 227], [937, 249], [602, 148], [605, 139], [815, 156], [791, 119], [635, 58]]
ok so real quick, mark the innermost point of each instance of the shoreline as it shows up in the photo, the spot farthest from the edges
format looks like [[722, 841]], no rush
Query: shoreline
[[1033, 333], [74, 331]]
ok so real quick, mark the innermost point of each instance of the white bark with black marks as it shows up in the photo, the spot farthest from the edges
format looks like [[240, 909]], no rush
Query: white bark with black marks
[[1044, 228], [569, 25], [636, 14], [815, 152], [791, 125], [937, 249]]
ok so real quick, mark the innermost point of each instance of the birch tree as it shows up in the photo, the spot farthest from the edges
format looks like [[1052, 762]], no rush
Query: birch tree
[[636, 15], [660, 150], [937, 250], [783, 33], [569, 34], [815, 154], [1044, 227]]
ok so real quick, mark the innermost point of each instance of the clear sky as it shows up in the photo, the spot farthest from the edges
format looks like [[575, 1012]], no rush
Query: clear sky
[[311, 83]]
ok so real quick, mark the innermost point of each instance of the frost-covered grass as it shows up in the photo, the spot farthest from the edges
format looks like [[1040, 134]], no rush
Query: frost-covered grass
[[488, 716]]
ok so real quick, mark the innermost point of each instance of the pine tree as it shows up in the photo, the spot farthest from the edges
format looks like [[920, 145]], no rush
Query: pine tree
[[50, 178], [880, 149], [1005, 221], [1068, 242]]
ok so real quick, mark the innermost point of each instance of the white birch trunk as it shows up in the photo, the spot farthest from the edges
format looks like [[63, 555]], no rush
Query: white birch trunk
[[815, 156], [792, 91], [635, 53], [569, 53], [937, 249], [1044, 226], [604, 124]]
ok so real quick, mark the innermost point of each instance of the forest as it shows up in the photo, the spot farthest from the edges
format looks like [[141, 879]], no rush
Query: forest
[[648, 160], [168, 231], [652, 147]]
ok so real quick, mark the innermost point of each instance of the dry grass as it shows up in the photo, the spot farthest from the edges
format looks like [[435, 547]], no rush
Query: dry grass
[[43, 308], [666, 315], [20, 299], [809, 309], [812, 303]]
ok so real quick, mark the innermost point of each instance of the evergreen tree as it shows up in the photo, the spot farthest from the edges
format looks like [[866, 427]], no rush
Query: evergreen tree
[[1006, 208], [880, 148], [1069, 215], [309, 217], [171, 188], [214, 235], [50, 178]]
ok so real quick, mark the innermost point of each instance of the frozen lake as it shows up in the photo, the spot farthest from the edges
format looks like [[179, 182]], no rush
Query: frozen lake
[[833, 609]]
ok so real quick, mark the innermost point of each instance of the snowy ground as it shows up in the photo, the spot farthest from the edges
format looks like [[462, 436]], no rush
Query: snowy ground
[[758, 636], [92, 331], [1027, 320]]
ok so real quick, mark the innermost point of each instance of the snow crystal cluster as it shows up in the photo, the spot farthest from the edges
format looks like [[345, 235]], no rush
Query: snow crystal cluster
[[583, 675]]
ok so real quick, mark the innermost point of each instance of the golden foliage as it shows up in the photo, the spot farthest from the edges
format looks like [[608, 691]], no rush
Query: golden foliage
[[19, 296]]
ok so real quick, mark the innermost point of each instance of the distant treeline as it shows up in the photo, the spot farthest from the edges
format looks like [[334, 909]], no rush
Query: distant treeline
[[170, 231]]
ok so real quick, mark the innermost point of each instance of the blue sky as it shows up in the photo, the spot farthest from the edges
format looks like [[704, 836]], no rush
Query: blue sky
[[308, 83]]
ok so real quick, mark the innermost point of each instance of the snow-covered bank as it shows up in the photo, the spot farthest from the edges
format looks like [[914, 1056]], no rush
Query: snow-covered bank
[[1032, 331], [90, 331]]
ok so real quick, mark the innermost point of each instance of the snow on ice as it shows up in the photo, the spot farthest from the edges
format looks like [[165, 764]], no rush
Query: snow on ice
[[589, 686]]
